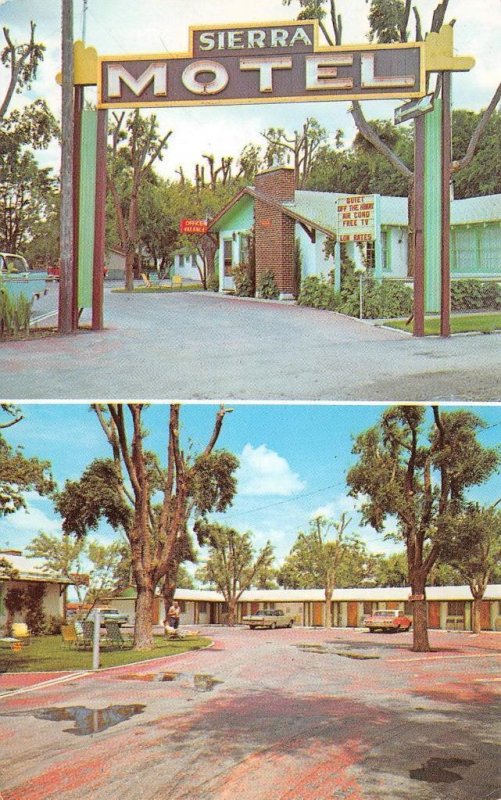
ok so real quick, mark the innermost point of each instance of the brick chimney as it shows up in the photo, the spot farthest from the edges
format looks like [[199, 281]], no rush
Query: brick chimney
[[278, 182], [274, 231]]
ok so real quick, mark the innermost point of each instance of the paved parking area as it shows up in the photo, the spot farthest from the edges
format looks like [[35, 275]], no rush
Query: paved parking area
[[296, 714], [200, 346]]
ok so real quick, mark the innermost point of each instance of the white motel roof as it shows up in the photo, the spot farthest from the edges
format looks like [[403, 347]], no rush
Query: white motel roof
[[401, 593], [319, 209], [30, 569]]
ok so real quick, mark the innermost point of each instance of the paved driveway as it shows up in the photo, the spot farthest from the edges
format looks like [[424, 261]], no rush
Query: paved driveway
[[266, 715], [199, 346]]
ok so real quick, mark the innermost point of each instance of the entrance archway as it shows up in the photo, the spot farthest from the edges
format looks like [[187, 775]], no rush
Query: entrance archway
[[270, 63]]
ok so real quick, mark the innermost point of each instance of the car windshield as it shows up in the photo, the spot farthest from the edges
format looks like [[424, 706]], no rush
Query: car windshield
[[14, 264], [385, 613]]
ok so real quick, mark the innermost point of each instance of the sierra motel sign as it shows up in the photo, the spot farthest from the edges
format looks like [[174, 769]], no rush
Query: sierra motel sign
[[264, 63]]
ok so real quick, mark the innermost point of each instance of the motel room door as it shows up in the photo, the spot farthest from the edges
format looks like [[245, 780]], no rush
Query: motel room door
[[228, 282]]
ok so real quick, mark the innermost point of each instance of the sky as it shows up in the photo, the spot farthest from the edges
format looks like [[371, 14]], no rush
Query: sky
[[118, 27], [293, 463]]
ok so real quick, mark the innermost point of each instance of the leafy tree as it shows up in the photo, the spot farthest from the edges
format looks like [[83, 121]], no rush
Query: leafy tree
[[421, 481], [25, 189], [62, 555], [136, 145], [324, 557], [149, 502], [110, 568], [232, 565], [389, 21], [471, 543], [13, 413], [392, 570], [20, 474]]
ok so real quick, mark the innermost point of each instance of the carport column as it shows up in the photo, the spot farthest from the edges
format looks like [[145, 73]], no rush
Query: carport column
[[443, 615], [378, 250], [337, 267], [467, 615], [95, 643]]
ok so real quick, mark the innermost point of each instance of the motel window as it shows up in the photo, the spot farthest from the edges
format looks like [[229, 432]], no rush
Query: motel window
[[228, 255], [455, 608], [182, 606], [202, 607], [385, 250], [244, 248], [367, 608], [269, 605]]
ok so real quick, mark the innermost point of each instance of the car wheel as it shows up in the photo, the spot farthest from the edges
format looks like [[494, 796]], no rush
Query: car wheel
[[290, 623], [273, 626]]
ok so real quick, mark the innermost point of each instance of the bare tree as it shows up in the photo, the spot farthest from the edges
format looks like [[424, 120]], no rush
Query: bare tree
[[22, 60], [136, 145]]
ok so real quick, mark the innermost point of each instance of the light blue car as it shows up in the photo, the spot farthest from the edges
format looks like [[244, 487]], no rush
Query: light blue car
[[18, 278]]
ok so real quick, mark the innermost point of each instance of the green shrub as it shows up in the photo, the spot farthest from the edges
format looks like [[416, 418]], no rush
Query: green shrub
[[475, 295], [14, 313], [33, 603], [267, 286], [317, 292], [213, 282], [243, 280], [386, 300], [53, 625]]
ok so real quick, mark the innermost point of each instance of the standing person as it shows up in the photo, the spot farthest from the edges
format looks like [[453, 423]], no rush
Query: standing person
[[173, 615]]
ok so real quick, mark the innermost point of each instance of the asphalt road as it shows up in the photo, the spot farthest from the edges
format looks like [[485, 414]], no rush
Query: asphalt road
[[265, 715], [194, 346]]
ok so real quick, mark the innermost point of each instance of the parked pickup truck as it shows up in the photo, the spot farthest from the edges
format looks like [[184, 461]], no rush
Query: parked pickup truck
[[268, 618], [387, 620], [110, 615], [17, 277]]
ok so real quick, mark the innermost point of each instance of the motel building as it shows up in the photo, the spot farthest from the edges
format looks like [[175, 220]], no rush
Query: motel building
[[29, 571], [276, 214], [449, 607]]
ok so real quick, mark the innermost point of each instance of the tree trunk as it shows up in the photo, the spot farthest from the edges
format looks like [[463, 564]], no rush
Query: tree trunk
[[129, 271], [475, 615], [420, 642], [232, 612], [328, 607], [143, 635]]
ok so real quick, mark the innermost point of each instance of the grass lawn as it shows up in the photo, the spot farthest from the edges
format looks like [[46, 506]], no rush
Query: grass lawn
[[162, 287], [47, 654], [460, 323]]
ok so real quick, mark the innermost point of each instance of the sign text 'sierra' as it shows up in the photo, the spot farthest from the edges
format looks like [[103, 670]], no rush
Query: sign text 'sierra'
[[259, 64]]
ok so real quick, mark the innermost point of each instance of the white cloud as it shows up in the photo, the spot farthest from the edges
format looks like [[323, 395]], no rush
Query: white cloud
[[264, 472], [340, 505], [32, 521]]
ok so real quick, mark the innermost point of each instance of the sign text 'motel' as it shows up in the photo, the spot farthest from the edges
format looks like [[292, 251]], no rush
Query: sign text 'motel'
[[259, 64]]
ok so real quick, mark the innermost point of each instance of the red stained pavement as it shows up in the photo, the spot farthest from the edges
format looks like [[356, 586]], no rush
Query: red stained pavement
[[269, 721]]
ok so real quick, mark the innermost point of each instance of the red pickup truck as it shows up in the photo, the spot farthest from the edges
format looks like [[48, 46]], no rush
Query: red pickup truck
[[55, 272], [388, 620]]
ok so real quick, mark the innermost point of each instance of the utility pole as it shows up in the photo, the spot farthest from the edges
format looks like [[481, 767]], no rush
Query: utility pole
[[66, 228]]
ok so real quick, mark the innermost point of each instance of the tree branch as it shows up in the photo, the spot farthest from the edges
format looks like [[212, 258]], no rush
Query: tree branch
[[372, 137], [477, 133]]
